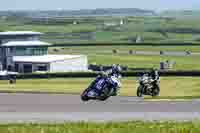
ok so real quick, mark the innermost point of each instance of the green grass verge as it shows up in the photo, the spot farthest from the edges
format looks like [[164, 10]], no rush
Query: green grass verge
[[171, 87], [108, 49], [146, 61], [103, 55], [58, 28], [111, 127]]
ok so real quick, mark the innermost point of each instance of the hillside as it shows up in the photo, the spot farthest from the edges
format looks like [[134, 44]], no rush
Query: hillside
[[83, 12]]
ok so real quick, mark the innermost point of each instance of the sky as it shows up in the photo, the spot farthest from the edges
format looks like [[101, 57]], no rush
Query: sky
[[156, 5]]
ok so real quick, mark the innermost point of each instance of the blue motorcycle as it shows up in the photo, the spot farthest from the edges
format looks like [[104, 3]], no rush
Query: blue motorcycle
[[101, 89]]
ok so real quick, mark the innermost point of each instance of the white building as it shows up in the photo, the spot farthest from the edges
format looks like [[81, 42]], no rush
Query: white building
[[30, 55], [50, 63]]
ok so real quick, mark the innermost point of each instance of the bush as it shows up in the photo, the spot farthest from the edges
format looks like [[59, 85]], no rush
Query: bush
[[55, 50], [114, 51], [130, 51]]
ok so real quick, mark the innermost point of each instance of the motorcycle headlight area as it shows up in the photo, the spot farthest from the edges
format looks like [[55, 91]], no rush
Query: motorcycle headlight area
[[145, 81]]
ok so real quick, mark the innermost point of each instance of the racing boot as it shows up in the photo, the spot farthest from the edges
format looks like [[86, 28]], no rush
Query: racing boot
[[114, 92]]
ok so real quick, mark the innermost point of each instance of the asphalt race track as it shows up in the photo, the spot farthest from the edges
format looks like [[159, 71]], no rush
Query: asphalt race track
[[63, 107]]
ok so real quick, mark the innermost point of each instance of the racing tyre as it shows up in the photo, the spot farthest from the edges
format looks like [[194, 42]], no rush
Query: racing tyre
[[103, 98], [156, 92], [139, 91], [105, 94], [84, 96]]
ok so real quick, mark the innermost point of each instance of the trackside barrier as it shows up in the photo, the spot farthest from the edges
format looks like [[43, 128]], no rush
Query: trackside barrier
[[94, 74], [165, 73], [123, 44], [58, 75]]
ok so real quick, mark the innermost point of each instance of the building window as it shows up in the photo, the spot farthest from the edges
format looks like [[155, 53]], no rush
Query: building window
[[20, 51], [31, 51], [16, 67], [11, 50], [42, 68], [27, 68]]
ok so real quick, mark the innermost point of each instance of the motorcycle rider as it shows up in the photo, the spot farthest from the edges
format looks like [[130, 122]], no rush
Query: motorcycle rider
[[114, 71], [105, 75], [155, 77]]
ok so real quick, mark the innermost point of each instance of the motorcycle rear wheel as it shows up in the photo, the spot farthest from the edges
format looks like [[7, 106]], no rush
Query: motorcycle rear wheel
[[103, 98], [105, 95]]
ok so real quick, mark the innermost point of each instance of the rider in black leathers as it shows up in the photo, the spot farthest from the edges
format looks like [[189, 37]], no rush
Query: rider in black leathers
[[155, 76]]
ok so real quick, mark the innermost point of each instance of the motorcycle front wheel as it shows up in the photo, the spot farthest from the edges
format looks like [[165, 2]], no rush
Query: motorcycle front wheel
[[84, 96], [156, 92], [139, 91]]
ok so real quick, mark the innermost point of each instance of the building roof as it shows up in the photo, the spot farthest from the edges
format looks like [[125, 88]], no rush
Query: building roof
[[7, 33], [44, 58], [25, 43]]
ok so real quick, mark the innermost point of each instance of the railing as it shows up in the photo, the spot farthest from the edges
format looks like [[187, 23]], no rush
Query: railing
[[94, 74]]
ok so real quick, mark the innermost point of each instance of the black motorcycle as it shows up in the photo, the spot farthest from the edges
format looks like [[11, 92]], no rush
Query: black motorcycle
[[147, 86], [107, 89]]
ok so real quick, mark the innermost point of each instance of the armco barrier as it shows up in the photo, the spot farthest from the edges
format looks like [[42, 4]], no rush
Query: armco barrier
[[123, 44], [94, 74], [58, 75], [165, 73], [180, 73]]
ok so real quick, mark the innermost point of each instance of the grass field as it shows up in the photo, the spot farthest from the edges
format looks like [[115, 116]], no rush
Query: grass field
[[66, 28], [151, 29], [140, 61], [124, 127], [170, 86], [104, 56], [108, 49]]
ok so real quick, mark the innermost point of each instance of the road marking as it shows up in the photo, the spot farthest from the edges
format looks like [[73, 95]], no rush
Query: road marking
[[159, 100]]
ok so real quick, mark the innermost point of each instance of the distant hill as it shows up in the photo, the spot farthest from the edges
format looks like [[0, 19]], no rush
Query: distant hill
[[85, 12], [110, 11], [181, 13]]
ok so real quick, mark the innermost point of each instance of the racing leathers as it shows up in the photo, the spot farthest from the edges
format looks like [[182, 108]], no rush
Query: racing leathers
[[104, 78], [156, 79]]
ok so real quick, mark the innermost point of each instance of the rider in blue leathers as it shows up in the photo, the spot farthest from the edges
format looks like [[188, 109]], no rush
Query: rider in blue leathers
[[104, 77], [114, 71]]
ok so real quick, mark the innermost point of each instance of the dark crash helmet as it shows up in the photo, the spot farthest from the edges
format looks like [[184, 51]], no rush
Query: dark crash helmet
[[153, 72], [116, 70]]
